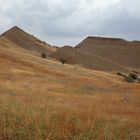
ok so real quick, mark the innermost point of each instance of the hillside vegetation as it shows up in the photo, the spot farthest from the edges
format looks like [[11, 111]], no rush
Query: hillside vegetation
[[27, 41], [41, 99], [85, 59]]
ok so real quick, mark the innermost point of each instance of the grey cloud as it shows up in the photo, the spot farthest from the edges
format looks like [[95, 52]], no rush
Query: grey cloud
[[76, 18], [120, 20], [42, 15]]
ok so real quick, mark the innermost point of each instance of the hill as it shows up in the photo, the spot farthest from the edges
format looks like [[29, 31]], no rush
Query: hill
[[88, 60], [41, 99], [118, 50], [27, 41]]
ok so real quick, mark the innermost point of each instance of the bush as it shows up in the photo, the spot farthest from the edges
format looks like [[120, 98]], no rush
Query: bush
[[43, 55], [138, 80], [121, 74], [129, 79], [44, 42], [63, 60], [134, 76]]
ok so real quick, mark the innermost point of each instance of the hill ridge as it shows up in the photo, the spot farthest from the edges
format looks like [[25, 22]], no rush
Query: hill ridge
[[118, 50], [27, 41], [85, 59]]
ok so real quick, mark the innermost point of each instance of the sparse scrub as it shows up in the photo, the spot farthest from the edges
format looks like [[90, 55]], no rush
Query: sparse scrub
[[43, 55], [121, 74], [46, 102], [44, 42], [129, 79], [133, 75], [63, 60]]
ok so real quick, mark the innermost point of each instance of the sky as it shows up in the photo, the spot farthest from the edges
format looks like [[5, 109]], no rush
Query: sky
[[68, 22]]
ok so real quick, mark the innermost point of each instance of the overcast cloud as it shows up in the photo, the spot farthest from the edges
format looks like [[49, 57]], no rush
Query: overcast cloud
[[62, 22]]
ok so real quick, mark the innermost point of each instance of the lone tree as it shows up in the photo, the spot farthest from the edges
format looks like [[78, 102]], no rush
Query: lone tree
[[129, 79], [43, 55], [134, 76], [63, 60]]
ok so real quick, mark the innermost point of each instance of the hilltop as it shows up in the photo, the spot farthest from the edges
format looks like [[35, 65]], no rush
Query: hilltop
[[99, 53], [27, 41], [124, 52]]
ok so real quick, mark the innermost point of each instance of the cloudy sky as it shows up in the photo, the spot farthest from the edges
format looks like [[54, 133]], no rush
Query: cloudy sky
[[62, 22]]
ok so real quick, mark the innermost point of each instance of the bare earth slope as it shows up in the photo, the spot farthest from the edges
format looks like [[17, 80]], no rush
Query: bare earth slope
[[118, 50], [92, 61], [27, 41]]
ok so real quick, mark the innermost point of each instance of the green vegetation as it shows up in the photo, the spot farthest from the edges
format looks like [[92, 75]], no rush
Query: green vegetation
[[121, 74], [63, 60], [129, 79], [138, 80], [43, 55], [134, 76]]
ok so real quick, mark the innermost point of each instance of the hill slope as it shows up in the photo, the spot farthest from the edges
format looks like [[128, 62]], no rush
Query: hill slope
[[75, 56], [40, 99], [118, 50], [27, 41], [16, 61]]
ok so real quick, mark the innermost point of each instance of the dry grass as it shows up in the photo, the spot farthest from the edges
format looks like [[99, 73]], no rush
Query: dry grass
[[43, 100]]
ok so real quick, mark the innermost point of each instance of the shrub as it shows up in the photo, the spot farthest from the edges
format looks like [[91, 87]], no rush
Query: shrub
[[133, 75], [44, 42], [129, 79], [138, 80], [63, 60], [121, 74], [43, 55]]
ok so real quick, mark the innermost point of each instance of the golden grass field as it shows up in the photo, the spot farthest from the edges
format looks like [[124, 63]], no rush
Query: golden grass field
[[41, 99]]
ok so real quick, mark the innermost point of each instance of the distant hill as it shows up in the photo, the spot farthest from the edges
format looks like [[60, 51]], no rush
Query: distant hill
[[99, 53], [27, 41], [118, 50], [75, 56]]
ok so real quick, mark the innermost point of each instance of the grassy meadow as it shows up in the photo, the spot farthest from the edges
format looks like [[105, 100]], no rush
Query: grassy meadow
[[45, 100]]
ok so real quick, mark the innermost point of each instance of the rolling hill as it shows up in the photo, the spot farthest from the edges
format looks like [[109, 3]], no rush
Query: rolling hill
[[41, 99], [27, 41], [98, 53], [118, 50], [88, 60]]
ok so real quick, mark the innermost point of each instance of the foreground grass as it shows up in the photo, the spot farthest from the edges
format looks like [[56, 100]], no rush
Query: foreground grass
[[20, 121], [49, 115]]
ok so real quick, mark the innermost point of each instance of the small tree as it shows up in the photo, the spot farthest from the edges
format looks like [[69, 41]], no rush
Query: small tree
[[63, 60], [129, 79], [43, 55], [133, 75], [121, 74]]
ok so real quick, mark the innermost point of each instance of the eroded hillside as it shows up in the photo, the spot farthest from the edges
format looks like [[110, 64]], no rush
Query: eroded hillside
[[118, 50]]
